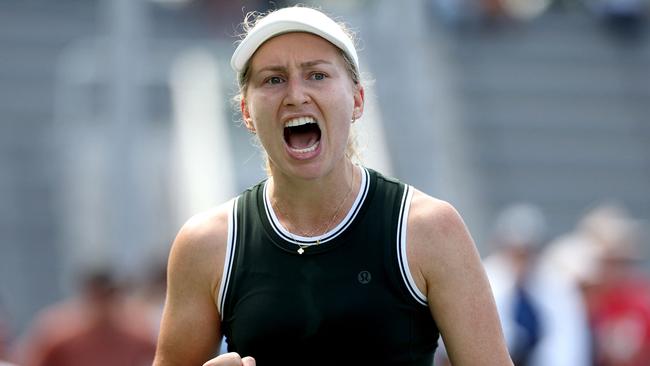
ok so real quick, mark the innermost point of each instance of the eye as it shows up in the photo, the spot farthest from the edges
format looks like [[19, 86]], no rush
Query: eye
[[318, 76], [274, 80]]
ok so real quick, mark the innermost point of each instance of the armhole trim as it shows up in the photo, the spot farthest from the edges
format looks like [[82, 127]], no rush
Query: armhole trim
[[402, 258], [228, 261]]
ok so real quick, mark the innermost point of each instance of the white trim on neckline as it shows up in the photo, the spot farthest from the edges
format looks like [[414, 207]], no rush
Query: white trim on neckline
[[330, 234]]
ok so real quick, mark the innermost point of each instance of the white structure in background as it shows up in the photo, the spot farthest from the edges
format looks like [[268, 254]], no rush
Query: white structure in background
[[107, 153], [202, 174], [373, 150]]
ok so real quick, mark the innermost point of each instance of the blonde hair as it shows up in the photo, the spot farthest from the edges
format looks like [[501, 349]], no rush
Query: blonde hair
[[254, 17]]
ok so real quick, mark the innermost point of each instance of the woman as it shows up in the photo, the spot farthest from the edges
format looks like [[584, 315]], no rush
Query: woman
[[325, 258]]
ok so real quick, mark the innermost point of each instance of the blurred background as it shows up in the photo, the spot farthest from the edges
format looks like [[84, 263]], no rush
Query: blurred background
[[116, 124]]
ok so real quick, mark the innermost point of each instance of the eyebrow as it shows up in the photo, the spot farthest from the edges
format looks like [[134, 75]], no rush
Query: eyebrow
[[306, 64]]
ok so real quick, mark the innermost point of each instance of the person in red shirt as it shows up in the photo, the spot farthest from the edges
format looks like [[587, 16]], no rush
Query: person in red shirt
[[619, 301], [618, 298], [93, 329]]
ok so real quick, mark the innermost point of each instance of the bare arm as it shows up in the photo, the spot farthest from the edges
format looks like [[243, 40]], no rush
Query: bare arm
[[190, 329], [447, 268]]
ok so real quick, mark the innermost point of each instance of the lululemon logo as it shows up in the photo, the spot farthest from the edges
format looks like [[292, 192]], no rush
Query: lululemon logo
[[364, 277]]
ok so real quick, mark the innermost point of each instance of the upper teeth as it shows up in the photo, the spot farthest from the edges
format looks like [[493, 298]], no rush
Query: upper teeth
[[299, 121]]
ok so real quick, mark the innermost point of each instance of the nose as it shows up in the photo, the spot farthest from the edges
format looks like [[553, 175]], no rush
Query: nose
[[296, 93]]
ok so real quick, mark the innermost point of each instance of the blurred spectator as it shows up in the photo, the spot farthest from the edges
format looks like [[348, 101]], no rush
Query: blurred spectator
[[4, 336], [542, 312], [91, 329], [616, 290], [524, 10], [147, 300], [461, 13], [624, 18]]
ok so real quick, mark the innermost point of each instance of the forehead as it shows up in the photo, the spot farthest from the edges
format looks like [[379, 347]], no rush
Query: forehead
[[296, 46]]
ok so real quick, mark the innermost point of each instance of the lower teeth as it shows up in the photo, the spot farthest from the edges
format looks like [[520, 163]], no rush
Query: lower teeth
[[307, 149]]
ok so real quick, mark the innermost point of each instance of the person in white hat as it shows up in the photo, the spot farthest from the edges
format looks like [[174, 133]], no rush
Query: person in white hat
[[325, 262]]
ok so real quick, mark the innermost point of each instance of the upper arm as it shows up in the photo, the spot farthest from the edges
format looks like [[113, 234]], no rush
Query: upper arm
[[190, 328], [448, 270]]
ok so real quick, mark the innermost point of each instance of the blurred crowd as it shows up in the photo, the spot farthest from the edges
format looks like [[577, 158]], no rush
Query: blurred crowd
[[579, 299], [622, 17], [106, 323]]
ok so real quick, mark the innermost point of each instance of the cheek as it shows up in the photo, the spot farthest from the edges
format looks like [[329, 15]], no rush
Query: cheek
[[341, 110], [339, 98], [342, 123], [260, 109]]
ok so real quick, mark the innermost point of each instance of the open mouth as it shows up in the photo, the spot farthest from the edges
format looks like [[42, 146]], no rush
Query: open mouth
[[302, 134]]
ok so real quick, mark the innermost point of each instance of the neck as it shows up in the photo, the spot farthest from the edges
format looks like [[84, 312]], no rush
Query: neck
[[312, 207]]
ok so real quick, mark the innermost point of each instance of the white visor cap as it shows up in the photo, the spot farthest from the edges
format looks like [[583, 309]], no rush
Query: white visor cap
[[287, 20]]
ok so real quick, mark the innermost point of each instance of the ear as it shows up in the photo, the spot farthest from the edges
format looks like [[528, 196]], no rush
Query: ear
[[248, 121], [359, 102]]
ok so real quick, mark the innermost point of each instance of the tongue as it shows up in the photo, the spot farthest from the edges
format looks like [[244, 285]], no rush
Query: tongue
[[302, 140]]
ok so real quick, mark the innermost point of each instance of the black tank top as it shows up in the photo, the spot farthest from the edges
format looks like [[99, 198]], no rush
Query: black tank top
[[352, 294]]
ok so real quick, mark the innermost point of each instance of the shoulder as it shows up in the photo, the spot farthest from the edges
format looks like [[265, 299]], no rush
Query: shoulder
[[438, 239], [206, 224], [68, 315], [51, 327], [434, 218], [200, 245]]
